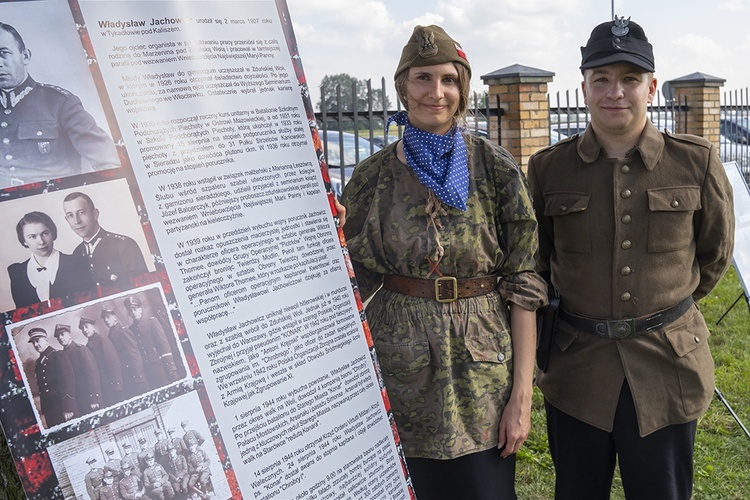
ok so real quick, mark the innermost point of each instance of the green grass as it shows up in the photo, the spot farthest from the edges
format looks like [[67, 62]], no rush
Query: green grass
[[722, 451]]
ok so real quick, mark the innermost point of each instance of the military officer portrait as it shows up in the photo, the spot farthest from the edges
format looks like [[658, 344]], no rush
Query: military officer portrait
[[130, 487], [134, 381], [94, 479], [160, 363], [55, 380], [108, 490], [107, 361], [113, 258], [86, 372], [156, 480], [45, 132]]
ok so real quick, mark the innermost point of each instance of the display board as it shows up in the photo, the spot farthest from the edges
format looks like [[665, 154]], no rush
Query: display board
[[741, 256], [178, 297]]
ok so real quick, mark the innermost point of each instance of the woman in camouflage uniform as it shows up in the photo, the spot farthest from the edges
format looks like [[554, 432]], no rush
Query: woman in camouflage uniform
[[443, 221]]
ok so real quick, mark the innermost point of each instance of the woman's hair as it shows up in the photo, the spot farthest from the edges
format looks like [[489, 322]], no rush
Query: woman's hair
[[31, 218], [464, 86]]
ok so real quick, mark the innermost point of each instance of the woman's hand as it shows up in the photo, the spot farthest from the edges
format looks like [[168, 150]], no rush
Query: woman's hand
[[341, 209], [515, 423]]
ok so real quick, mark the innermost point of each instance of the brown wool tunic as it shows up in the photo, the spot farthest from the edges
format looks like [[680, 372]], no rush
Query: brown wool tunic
[[625, 238]]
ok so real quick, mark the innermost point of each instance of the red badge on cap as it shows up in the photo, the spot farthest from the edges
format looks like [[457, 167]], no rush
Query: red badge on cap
[[460, 51]]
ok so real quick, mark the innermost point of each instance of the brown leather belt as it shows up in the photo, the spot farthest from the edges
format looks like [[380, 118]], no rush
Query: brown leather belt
[[442, 289]]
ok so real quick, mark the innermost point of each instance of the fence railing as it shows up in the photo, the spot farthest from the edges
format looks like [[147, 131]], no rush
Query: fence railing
[[350, 134], [568, 115], [734, 129]]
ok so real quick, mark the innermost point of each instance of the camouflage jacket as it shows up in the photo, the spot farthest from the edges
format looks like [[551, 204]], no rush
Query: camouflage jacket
[[447, 366]]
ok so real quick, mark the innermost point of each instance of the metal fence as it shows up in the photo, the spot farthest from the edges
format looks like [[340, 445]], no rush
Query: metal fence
[[734, 129], [350, 134], [568, 114]]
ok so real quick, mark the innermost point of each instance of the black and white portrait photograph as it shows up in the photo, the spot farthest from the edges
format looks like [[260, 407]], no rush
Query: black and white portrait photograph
[[52, 123], [65, 244]]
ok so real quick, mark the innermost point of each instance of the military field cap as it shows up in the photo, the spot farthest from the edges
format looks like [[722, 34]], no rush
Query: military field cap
[[108, 474], [126, 466], [109, 451], [170, 430], [617, 41], [126, 445], [85, 320], [149, 454], [36, 333], [430, 45], [59, 329], [142, 440], [106, 311], [132, 302], [90, 460]]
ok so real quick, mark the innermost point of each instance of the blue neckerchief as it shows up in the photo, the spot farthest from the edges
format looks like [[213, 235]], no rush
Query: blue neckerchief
[[439, 161]]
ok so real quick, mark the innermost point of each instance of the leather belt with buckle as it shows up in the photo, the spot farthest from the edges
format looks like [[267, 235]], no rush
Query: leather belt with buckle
[[442, 289], [627, 328]]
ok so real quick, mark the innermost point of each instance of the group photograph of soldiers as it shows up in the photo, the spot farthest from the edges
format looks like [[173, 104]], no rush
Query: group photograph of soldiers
[[98, 356], [172, 465]]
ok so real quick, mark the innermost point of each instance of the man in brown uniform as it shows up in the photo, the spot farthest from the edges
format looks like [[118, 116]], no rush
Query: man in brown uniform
[[635, 225]]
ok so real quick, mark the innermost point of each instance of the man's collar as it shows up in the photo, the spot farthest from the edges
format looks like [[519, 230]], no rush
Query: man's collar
[[97, 235], [650, 146], [9, 98]]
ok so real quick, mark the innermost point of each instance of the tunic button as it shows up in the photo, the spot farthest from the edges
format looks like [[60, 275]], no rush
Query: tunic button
[[697, 340], [626, 244], [675, 203], [8, 111], [6, 140], [39, 133], [4, 124], [625, 297], [501, 357], [626, 219], [625, 271], [627, 193], [625, 169], [563, 208], [8, 157]]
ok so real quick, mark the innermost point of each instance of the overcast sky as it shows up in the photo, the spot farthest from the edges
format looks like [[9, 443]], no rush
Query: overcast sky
[[364, 37]]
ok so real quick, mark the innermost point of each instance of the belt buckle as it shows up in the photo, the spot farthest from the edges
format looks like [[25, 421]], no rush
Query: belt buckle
[[453, 282], [621, 329]]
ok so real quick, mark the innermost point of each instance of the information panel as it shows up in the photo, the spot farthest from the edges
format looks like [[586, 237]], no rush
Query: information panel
[[181, 318]]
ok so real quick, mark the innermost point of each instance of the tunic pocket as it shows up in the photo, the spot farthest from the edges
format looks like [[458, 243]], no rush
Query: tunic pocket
[[488, 349], [571, 219], [692, 361], [670, 226], [403, 360]]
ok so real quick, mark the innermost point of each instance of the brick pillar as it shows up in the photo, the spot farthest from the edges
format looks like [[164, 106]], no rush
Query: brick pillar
[[704, 104], [524, 125]]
